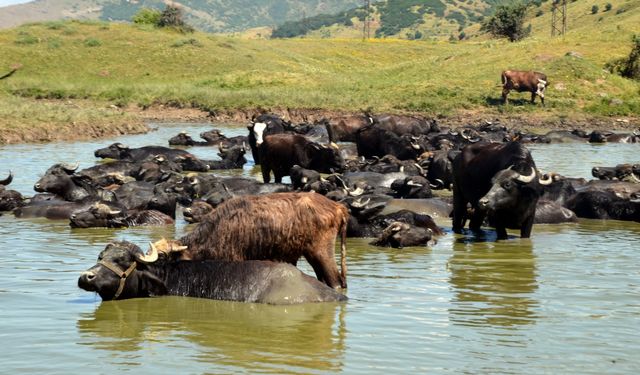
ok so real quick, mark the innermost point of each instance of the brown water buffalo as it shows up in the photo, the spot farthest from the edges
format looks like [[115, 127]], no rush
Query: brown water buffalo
[[524, 81], [123, 271], [279, 226]]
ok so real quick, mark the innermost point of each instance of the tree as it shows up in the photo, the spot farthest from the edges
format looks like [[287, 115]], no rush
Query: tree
[[632, 67], [508, 22], [172, 16]]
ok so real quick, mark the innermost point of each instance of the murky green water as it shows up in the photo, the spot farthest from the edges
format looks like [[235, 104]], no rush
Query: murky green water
[[566, 301]]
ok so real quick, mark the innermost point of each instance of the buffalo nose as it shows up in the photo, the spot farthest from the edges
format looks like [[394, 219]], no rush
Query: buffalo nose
[[484, 202], [86, 279]]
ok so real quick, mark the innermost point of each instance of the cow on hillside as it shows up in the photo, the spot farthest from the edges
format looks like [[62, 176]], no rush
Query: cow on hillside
[[524, 81]]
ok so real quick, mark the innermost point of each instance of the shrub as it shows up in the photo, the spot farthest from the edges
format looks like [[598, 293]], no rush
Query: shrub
[[92, 42], [628, 67], [508, 21], [608, 7], [595, 9], [147, 16]]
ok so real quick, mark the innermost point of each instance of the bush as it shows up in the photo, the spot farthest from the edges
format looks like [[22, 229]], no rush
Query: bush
[[628, 67], [608, 7], [92, 42], [508, 21], [595, 9], [147, 16]]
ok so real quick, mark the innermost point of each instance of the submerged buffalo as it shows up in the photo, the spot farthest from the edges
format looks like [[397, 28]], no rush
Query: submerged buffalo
[[124, 271]]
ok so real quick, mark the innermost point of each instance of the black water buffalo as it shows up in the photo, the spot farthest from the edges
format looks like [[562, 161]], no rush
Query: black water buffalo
[[549, 212], [124, 271], [399, 235], [598, 136], [280, 152], [500, 180], [60, 179], [402, 124], [374, 141], [621, 172], [119, 151], [262, 126], [184, 139], [9, 199], [524, 81], [231, 157], [361, 226], [104, 215], [197, 211], [272, 227], [604, 204]]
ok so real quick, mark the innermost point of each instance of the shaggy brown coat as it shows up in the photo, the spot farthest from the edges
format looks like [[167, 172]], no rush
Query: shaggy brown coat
[[277, 226]]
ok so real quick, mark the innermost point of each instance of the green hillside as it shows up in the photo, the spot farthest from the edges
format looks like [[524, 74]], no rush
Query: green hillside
[[76, 73]]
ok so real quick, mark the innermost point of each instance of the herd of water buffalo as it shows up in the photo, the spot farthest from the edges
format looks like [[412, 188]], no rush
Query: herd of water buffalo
[[344, 173]]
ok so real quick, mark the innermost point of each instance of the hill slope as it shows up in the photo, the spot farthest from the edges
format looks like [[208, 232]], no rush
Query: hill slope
[[206, 15], [120, 65]]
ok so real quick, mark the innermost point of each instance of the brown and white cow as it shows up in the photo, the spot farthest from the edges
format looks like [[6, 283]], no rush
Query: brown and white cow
[[524, 81], [279, 226]]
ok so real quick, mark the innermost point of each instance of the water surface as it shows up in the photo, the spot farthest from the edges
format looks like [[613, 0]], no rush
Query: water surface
[[565, 301]]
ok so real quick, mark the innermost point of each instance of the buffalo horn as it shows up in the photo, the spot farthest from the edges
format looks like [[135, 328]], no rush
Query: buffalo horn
[[151, 256], [69, 167], [527, 179], [334, 145], [357, 192], [359, 203], [440, 184], [121, 146], [546, 179], [413, 183], [7, 180]]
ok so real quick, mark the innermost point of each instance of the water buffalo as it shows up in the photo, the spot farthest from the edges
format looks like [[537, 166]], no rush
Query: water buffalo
[[9, 199], [524, 81], [104, 215], [344, 128], [124, 271], [231, 157], [278, 226], [604, 204], [280, 152], [500, 180], [549, 212], [399, 235], [373, 141]]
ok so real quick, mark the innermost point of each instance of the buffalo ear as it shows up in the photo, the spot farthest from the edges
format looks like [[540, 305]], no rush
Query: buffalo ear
[[152, 285]]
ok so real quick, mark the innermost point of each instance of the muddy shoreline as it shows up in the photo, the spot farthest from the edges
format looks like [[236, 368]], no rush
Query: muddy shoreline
[[163, 114]]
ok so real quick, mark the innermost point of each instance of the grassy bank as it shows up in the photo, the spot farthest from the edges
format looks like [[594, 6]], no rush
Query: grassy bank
[[83, 73]]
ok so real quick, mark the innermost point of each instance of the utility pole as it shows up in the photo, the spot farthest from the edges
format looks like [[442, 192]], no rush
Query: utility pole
[[366, 26], [558, 27]]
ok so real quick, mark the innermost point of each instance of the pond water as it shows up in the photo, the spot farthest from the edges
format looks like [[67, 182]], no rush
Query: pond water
[[565, 301]]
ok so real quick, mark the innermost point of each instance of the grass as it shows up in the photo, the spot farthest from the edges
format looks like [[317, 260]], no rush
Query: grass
[[100, 64]]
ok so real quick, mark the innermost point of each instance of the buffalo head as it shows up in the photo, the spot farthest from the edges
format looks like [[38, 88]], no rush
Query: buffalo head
[[114, 151], [511, 188], [121, 273]]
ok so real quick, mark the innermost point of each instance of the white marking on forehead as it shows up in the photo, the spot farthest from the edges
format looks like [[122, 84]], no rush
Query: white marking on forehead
[[258, 130]]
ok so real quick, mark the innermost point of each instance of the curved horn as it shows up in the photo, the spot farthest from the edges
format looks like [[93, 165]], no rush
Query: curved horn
[[357, 192], [527, 179], [359, 203], [7, 180], [413, 183], [151, 256], [69, 167], [546, 179]]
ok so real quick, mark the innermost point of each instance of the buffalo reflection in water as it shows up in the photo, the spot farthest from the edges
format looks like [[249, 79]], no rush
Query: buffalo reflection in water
[[494, 283], [250, 336]]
